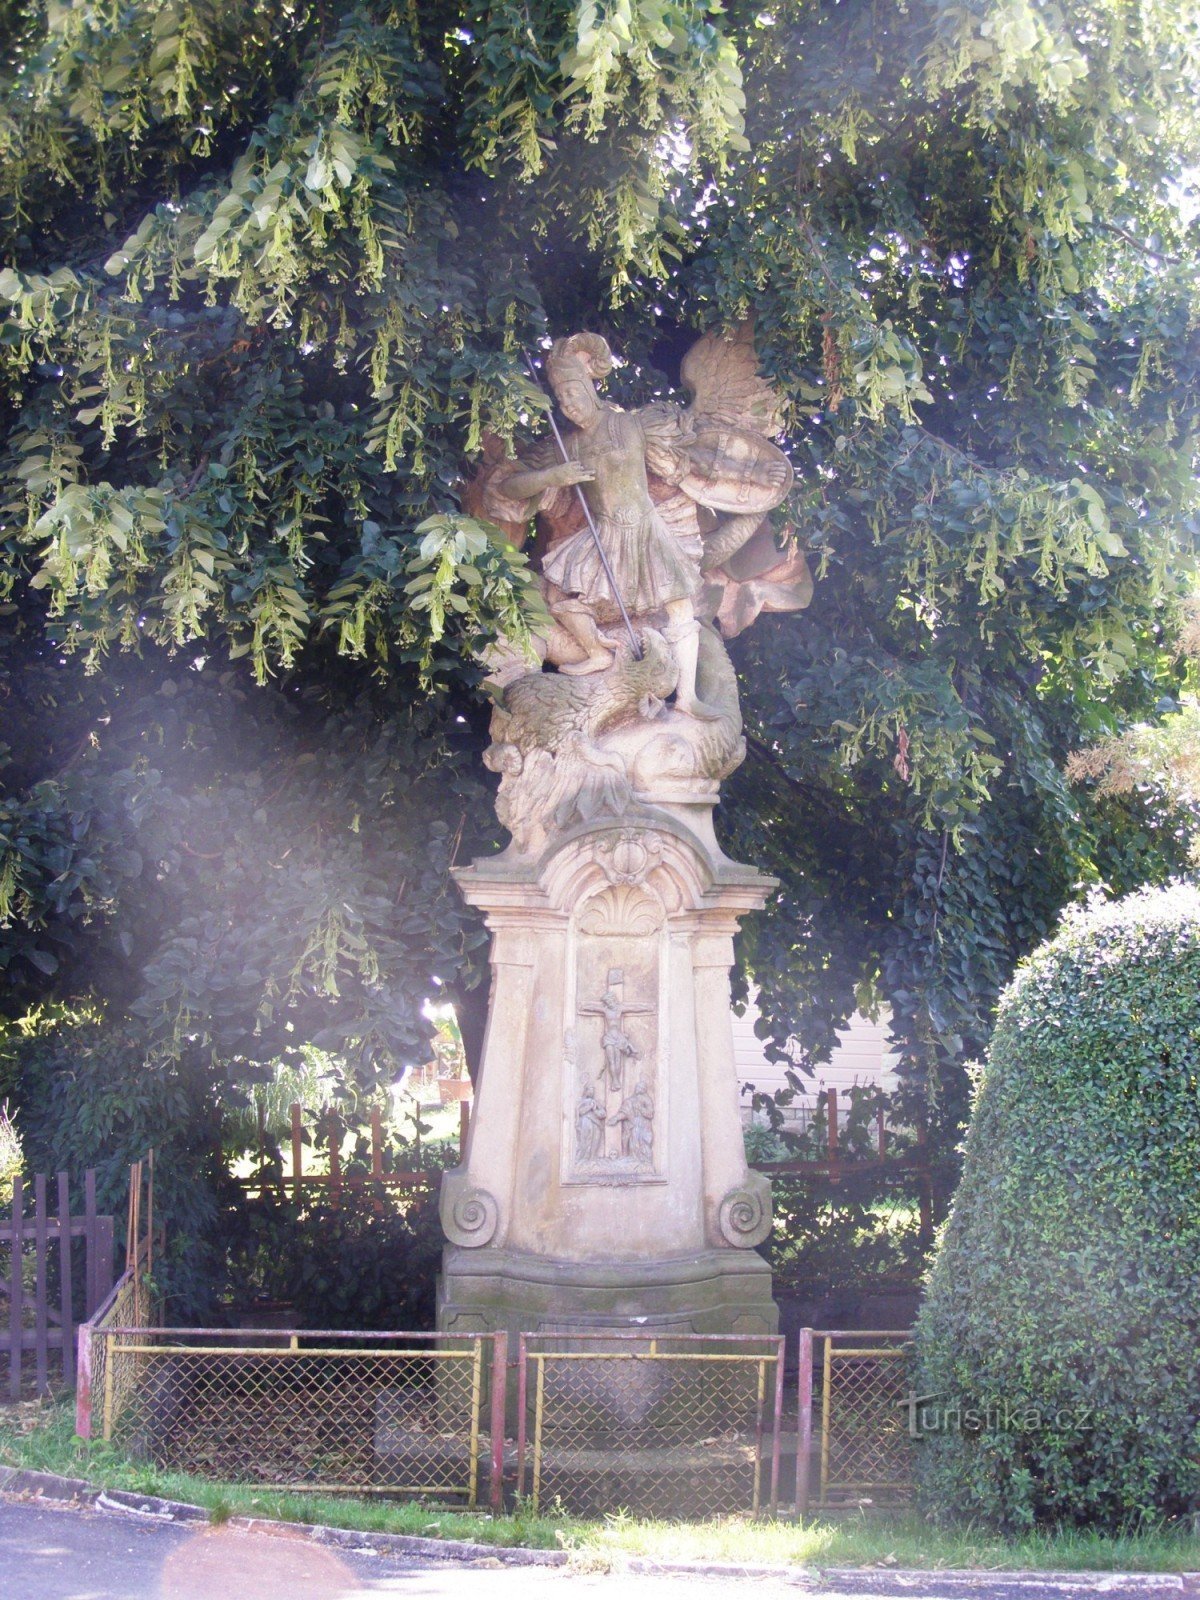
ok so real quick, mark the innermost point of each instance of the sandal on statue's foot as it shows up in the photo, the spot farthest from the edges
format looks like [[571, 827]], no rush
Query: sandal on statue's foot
[[580, 669]]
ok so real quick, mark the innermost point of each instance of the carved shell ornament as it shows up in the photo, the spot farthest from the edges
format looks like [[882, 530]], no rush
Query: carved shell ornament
[[623, 909]]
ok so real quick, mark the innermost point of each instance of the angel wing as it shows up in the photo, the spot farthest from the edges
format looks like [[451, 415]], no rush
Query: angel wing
[[721, 376]]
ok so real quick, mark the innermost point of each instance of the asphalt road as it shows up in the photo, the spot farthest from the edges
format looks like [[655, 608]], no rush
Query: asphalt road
[[51, 1553]]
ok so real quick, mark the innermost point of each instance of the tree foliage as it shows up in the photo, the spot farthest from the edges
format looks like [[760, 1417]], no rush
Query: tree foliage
[[1158, 760], [269, 271], [1063, 1307]]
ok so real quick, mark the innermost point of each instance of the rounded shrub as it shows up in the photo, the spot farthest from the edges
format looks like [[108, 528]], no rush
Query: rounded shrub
[[1058, 1346]]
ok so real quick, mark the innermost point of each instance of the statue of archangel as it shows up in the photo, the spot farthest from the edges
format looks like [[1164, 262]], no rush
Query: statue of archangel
[[671, 537]]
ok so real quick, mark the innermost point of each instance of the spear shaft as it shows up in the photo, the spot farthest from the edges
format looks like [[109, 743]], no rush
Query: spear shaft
[[587, 511]]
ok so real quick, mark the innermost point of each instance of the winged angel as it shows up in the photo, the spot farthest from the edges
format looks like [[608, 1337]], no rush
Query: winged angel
[[656, 516], [678, 500]]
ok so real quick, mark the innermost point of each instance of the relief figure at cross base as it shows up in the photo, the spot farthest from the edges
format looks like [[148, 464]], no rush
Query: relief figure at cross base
[[635, 1117], [589, 1125], [655, 518]]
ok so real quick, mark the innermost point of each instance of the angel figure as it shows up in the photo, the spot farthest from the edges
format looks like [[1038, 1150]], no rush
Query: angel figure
[[643, 474]]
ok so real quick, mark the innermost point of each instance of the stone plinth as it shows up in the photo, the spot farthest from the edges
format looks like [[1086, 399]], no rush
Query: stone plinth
[[605, 1182]]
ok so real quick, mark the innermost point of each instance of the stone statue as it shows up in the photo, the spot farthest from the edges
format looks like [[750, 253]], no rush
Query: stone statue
[[605, 1182], [654, 526], [647, 569], [636, 1120]]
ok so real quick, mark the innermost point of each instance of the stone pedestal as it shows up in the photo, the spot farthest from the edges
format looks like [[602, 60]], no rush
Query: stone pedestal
[[605, 1183]]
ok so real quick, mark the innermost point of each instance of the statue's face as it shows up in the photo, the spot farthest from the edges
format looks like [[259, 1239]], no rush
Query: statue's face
[[577, 397]]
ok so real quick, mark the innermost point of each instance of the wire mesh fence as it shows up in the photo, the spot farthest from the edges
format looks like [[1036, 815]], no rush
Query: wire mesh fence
[[675, 1428], [403, 1413], [101, 1371], [857, 1384], [663, 1427]]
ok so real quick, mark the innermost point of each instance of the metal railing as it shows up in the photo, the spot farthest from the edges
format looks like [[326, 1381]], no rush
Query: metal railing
[[857, 1383], [131, 1303], [682, 1426], [399, 1413], [673, 1427]]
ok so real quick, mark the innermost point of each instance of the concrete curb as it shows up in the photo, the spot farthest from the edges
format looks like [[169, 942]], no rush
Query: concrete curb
[[903, 1580], [894, 1581], [78, 1491], [58, 1490], [400, 1544]]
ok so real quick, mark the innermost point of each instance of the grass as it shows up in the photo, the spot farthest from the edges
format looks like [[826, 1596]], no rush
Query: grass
[[41, 1436]]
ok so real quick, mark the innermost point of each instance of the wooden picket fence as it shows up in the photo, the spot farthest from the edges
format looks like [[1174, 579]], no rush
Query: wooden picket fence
[[836, 1164], [333, 1181], [35, 1319]]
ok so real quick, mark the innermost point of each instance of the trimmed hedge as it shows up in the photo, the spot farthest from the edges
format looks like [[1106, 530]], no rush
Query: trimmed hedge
[[1063, 1305]]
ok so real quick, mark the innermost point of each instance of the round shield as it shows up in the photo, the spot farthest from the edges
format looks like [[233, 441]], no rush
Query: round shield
[[732, 469]]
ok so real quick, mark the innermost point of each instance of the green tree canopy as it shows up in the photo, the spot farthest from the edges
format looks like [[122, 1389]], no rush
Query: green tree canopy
[[269, 271]]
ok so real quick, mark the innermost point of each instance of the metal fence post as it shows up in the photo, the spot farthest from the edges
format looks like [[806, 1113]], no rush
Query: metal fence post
[[499, 1397], [826, 1412], [476, 1409], [522, 1402], [538, 1419], [760, 1406], [83, 1381], [777, 1425], [108, 1385], [804, 1422]]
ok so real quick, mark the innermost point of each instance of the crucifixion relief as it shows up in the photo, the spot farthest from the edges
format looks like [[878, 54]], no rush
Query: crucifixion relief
[[603, 1117]]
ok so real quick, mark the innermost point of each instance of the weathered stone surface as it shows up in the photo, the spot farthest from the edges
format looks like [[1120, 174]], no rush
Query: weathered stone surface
[[714, 1291], [605, 1158], [605, 1181]]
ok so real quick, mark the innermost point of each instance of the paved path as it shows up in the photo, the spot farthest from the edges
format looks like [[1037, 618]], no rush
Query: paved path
[[67, 1554]]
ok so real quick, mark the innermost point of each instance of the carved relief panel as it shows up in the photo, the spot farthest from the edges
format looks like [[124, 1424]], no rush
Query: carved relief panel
[[614, 1085]]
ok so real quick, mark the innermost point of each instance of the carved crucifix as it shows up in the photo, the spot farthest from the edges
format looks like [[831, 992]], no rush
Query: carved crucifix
[[616, 1044]]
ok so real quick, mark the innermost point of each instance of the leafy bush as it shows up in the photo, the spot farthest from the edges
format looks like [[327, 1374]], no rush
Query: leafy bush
[[86, 1097], [367, 1262], [858, 1234], [10, 1154], [1063, 1306]]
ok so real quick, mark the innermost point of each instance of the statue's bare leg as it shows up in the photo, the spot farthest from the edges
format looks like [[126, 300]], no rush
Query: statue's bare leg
[[579, 622], [683, 633]]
